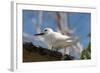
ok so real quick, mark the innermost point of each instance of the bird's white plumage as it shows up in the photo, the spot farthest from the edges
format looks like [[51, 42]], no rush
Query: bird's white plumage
[[56, 40]]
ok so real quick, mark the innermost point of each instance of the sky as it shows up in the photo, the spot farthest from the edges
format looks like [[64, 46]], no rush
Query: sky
[[80, 22]]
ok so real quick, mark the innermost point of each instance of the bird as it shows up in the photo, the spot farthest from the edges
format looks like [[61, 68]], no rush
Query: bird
[[56, 40]]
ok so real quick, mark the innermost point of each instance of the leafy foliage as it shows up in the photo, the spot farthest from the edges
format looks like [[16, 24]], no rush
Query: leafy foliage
[[86, 53]]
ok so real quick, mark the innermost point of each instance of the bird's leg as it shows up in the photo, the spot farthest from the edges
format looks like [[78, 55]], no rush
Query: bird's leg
[[49, 47], [67, 51], [63, 54], [52, 48], [64, 51]]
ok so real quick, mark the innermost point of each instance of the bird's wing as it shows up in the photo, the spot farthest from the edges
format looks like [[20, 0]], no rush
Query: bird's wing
[[58, 35], [38, 38]]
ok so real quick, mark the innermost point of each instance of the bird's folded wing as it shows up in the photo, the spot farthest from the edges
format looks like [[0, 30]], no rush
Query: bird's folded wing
[[38, 38]]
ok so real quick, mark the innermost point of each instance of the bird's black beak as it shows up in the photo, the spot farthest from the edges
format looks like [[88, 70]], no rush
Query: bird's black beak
[[39, 34]]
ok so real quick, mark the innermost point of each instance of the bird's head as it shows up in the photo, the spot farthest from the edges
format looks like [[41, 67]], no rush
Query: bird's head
[[45, 31]]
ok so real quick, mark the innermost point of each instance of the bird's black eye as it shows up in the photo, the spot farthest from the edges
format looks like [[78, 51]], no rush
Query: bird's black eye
[[45, 30]]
